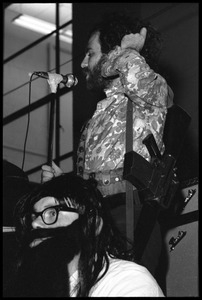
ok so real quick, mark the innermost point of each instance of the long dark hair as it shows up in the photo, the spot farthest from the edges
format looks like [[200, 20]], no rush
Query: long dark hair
[[115, 26], [97, 245]]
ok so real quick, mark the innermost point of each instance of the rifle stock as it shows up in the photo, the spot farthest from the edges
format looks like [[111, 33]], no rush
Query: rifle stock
[[157, 180]]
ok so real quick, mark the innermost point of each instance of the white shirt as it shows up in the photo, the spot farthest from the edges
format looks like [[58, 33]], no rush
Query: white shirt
[[123, 279]]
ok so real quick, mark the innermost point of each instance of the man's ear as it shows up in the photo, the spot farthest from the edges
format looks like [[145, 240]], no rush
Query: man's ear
[[99, 225]]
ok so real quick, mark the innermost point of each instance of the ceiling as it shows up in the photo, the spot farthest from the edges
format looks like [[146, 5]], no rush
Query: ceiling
[[43, 11]]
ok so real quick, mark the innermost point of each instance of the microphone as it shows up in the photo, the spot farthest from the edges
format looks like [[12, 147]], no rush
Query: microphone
[[69, 80]]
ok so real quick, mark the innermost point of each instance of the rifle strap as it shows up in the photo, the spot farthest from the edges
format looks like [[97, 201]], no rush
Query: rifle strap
[[140, 218], [131, 194], [146, 223]]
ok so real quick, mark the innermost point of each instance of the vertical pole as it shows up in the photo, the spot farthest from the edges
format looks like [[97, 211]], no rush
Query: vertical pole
[[51, 128], [57, 59], [53, 100]]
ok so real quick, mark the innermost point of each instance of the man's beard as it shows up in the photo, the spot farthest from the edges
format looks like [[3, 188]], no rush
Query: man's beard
[[95, 82], [44, 271]]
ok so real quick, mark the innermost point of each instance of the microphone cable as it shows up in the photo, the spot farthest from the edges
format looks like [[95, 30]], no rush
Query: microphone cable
[[28, 122]]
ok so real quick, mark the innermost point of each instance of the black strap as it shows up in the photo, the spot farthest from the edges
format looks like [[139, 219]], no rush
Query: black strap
[[145, 225], [129, 186], [131, 194]]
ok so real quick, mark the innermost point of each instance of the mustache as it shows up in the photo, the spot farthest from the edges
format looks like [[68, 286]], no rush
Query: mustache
[[69, 231], [43, 269], [85, 71], [65, 242]]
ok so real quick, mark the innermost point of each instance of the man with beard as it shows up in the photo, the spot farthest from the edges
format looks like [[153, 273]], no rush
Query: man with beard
[[118, 60], [69, 246]]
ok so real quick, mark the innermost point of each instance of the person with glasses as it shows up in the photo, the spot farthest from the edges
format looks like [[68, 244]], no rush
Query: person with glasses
[[69, 246]]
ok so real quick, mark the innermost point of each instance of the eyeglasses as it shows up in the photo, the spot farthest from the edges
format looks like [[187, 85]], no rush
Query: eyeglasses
[[50, 214]]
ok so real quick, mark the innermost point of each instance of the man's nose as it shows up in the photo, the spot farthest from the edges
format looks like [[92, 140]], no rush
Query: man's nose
[[84, 63]]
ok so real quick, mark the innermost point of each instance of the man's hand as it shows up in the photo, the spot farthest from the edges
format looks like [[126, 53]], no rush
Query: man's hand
[[135, 41], [114, 57], [49, 172]]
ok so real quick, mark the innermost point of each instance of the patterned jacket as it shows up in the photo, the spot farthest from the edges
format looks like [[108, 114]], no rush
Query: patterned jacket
[[102, 145]]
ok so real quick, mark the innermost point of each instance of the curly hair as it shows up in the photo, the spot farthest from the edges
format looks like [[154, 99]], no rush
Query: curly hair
[[95, 247], [116, 25]]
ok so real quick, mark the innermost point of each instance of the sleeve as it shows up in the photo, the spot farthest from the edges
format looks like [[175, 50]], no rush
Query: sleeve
[[139, 81]]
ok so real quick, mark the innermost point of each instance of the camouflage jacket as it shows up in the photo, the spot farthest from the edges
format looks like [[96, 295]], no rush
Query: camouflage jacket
[[102, 144]]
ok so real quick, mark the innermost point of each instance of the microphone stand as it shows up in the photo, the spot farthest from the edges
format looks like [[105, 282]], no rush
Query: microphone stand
[[51, 128], [53, 100]]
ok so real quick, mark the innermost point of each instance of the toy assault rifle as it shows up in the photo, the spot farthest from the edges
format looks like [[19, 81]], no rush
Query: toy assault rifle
[[157, 180]]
